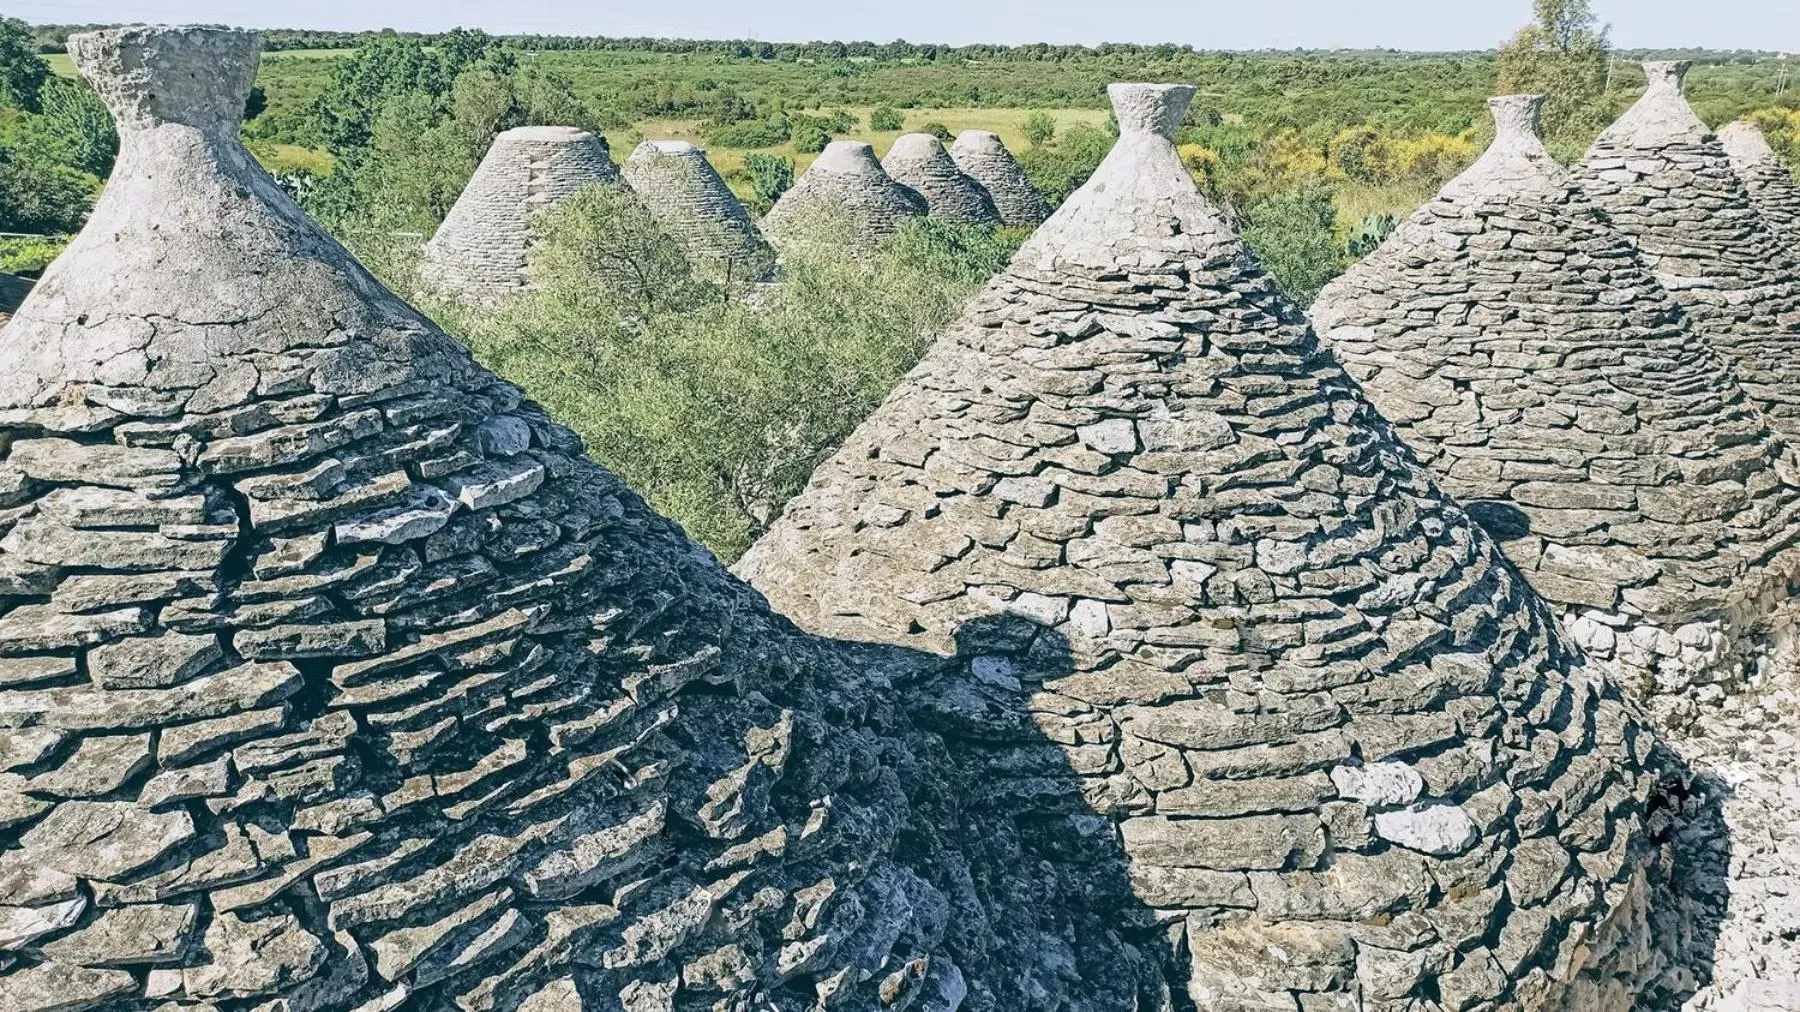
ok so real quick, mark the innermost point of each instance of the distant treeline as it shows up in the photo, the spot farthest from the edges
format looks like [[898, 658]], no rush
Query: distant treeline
[[53, 39]]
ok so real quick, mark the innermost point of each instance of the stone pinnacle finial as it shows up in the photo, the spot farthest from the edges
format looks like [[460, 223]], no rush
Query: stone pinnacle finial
[[1516, 116], [1666, 75], [1152, 108], [151, 75]]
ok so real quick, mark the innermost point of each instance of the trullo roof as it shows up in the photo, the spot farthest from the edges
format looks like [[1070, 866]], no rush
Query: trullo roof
[[479, 252], [845, 197], [1517, 343], [1155, 523], [1661, 176], [692, 202], [920, 161], [981, 155], [1772, 187], [334, 676]]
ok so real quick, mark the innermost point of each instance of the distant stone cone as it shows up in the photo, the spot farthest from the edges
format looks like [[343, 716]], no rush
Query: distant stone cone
[[844, 198], [982, 156], [1304, 695], [333, 676], [479, 253], [1771, 185], [691, 201], [920, 161], [1662, 177], [1519, 346]]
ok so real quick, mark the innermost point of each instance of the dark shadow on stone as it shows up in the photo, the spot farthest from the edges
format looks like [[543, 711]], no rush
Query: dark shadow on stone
[[1047, 918], [1502, 520], [1687, 814]]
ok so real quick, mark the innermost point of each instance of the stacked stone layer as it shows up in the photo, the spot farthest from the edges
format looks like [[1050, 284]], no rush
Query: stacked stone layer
[[981, 155], [1516, 342], [692, 202], [1167, 547], [920, 161], [1662, 178], [479, 253], [1772, 187], [844, 199], [333, 676]]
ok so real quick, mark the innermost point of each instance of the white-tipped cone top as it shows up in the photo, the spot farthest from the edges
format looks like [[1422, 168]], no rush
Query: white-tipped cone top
[[920, 161], [982, 155], [845, 198], [691, 201], [1771, 184]]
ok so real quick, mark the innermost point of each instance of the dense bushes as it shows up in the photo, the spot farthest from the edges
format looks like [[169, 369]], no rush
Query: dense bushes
[[715, 409]]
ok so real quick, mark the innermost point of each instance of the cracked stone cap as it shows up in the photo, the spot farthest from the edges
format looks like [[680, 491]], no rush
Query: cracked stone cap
[[1175, 560], [332, 671], [1662, 115]]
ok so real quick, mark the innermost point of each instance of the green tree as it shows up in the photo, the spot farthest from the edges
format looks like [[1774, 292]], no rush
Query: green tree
[[22, 71], [1292, 235], [886, 117], [770, 176], [938, 130], [41, 196], [74, 128], [1562, 55], [1059, 169], [1040, 128], [808, 134]]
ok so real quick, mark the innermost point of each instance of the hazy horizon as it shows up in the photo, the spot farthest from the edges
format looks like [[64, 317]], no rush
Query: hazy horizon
[[1276, 24]]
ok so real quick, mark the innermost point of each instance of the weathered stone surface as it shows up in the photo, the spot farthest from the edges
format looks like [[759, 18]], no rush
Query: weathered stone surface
[[920, 162], [843, 198], [694, 206], [1540, 368], [479, 252], [1149, 523], [351, 675], [983, 158], [1771, 186]]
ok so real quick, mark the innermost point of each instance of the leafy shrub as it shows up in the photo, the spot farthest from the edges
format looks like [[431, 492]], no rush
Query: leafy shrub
[[884, 117], [40, 195], [761, 133], [1292, 235], [1059, 169], [713, 409], [27, 258], [1040, 128], [770, 176], [809, 134], [938, 130], [1371, 233]]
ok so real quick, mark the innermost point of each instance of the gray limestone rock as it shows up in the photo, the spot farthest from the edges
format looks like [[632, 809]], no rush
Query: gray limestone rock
[[1549, 379], [983, 158], [693, 204], [844, 198], [479, 253], [1150, 522], [382, 692], [1772, 186], [920, 162], [1663, 179]]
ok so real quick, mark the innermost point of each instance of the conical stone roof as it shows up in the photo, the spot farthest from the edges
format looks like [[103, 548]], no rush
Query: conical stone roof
[[692, 202], [1771, 185], [844, 197], [920, 161], [1516, 342], [334, 676], [1661, 176], [1307, 699], [982, 156], [479, 252]]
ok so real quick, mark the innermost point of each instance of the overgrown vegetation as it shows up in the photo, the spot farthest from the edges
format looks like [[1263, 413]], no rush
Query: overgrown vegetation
[[714, 408]]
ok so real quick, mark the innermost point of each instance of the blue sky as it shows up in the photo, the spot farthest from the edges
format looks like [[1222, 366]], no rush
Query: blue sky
[[1213, 24]]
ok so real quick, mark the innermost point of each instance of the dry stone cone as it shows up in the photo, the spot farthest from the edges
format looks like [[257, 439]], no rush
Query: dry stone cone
[[693, 204], [1154, 526], [981, 155], [334, 676], [844, 199], [479, 253], [1661, 176], [1520, 347], [1772, 187], [920, 161]]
